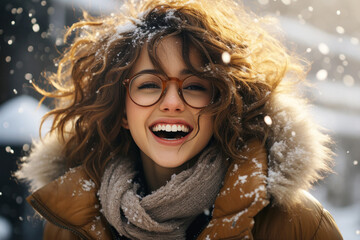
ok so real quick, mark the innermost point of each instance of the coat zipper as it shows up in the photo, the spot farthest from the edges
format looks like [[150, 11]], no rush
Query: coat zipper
[[54, 220]]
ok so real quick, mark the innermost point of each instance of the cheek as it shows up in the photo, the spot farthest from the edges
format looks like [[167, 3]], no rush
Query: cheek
[[207, 127], [136, 117], [133, 113]]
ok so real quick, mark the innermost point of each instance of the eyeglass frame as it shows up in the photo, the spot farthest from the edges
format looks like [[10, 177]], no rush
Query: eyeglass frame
[[164, 82]]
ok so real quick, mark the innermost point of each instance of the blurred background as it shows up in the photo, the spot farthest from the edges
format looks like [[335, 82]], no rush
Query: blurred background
[[326, 32]]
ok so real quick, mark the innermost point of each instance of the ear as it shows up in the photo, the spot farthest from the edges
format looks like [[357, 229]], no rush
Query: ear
[[124, 122]]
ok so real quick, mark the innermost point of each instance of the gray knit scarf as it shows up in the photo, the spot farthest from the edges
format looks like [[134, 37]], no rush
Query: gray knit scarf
[[167, 212]]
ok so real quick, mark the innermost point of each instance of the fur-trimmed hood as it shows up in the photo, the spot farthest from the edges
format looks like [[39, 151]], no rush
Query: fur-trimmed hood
[[297, 152]]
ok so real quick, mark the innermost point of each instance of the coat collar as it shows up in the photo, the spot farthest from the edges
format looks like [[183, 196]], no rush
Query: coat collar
[[242, 196]]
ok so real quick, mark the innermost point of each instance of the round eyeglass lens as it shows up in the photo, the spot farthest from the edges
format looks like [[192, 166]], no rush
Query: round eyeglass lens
[[145, 89], [197, 92]]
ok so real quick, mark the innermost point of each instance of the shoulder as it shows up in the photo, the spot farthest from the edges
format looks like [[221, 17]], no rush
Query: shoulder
[[71, 208], [306, 220]]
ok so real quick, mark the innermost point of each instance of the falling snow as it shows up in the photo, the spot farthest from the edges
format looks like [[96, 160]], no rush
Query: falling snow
[[340, 30], [348, 80], [323, 48], [268, 120], [226, 57], [26, 147], [207, 212], [36, 27], [8, 149], [321, 75]]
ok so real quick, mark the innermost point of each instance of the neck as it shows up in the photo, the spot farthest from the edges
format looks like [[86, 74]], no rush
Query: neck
[[157, 176]]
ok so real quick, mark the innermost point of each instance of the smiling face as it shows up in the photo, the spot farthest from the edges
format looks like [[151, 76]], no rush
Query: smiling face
[[166, 131]]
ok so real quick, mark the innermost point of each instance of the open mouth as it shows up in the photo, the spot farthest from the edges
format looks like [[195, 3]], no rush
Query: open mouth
[[170, 131]]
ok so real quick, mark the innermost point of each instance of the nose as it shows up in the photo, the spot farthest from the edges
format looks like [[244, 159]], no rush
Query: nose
[[172, 102]]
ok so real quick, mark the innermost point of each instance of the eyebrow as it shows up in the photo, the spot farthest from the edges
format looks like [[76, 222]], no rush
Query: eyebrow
[[154, 71]]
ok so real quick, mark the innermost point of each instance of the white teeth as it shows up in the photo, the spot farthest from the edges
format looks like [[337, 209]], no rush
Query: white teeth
[[170, 128]]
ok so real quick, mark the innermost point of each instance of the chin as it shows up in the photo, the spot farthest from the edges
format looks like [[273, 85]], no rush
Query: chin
[[170, 161], [170, 164]]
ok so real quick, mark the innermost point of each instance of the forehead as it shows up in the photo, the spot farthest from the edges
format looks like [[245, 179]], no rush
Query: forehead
[[169, 54]]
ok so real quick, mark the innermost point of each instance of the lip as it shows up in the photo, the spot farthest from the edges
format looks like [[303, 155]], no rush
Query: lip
[[171, 121]]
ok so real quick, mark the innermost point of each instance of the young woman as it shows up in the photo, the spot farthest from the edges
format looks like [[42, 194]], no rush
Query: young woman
[[178, 121]]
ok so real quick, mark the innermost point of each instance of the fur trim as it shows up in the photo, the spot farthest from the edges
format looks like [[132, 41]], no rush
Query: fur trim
[[44, 164], [298, 153]]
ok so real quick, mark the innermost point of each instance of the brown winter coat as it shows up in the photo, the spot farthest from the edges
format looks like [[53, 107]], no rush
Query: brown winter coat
[[275, 207], [241, 211]]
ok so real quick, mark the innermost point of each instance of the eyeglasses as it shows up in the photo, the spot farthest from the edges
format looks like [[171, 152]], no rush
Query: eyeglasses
[[146, 89]]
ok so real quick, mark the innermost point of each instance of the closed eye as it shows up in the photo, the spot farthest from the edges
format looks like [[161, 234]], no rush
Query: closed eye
[[194, 87], [149, 86]]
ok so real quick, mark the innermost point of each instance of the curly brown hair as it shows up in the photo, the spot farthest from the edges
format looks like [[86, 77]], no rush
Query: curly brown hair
[[91, 97]]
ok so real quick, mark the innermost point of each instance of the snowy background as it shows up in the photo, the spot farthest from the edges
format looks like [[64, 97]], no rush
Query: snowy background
[[326, 32]]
